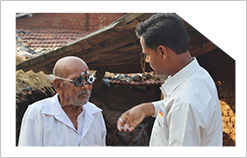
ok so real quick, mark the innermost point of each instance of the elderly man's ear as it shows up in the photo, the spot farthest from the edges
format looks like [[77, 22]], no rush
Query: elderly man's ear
[[57, 85]]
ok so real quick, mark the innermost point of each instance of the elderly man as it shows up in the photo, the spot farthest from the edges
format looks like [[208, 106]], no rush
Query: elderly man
[[190, 113], [68, 118]]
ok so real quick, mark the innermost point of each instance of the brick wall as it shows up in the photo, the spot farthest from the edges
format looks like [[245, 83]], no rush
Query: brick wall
[[74, 21]]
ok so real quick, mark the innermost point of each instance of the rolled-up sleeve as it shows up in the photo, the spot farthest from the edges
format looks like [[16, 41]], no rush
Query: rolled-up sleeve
[[157, 105]]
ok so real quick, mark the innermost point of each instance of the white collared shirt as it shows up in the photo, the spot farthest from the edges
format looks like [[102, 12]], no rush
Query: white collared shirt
[[46, 124], [190, 113]]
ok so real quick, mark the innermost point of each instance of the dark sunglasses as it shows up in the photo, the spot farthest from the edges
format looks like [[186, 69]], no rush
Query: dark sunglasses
[[89, 79]]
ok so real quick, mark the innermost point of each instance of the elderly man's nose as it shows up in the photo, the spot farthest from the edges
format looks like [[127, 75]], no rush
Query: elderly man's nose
[[85, 86]]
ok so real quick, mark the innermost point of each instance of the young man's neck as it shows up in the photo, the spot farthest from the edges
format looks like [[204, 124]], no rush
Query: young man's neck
[[181, 61]]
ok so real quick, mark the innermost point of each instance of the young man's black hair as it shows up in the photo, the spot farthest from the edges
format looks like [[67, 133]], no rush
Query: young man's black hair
[[165, 29]]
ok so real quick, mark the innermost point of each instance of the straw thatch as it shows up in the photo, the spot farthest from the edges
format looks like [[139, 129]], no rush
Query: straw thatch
[[38, 81]]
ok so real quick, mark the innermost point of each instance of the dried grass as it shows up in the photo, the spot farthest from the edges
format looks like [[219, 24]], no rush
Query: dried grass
[[37, 81]]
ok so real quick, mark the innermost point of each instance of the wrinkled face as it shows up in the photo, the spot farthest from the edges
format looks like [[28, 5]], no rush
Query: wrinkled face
[[152, 57], [76, 95], [69, 93]]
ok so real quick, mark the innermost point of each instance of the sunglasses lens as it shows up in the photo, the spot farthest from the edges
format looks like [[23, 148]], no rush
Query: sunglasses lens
[[90, 79], [79, 81]]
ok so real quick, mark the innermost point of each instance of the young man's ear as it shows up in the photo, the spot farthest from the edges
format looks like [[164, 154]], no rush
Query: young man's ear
[[162, 50]]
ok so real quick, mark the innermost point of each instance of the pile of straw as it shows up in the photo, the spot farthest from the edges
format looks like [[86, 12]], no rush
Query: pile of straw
[[38, 81]]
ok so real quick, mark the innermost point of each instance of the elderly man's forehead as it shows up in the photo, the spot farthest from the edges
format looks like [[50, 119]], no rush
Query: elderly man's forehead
[[70, 61], [70, 64]]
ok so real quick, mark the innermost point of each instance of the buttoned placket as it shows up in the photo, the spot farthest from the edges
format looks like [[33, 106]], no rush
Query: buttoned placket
[[88, 120], [80, 122]]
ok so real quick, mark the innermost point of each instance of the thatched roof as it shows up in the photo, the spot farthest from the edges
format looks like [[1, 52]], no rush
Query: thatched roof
[[37, 81], [114, 48]]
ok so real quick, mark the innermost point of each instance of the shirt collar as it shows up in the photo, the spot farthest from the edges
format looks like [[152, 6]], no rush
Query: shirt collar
[[90, 109], [53, 107], [56, 109], [171, 83]]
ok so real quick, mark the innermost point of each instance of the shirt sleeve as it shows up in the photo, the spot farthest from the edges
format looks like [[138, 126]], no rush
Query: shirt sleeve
[[157, 105], [103, 142], [184, 123], [31, 129]]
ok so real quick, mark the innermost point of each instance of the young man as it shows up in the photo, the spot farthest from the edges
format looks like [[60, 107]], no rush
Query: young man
[[190, 113], [68, 118]]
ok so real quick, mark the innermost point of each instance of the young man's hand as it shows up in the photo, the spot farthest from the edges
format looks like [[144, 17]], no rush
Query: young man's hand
[[134, 116]]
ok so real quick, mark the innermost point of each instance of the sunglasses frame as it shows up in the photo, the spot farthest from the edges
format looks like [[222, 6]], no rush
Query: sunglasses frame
[[90, 79]]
